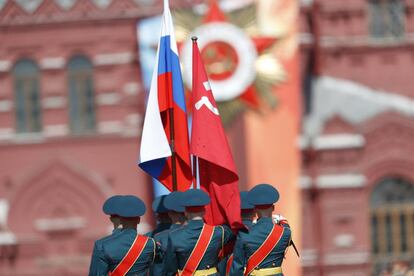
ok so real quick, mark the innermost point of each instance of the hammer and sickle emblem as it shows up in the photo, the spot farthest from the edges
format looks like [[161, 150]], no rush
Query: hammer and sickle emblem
[[205, 101]]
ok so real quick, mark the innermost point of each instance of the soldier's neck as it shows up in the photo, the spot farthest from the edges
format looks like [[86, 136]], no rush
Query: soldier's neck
[[248, 217], [265, 213], [163, 218], [129, 226], [195, 216], [177, 218], [130, 223]]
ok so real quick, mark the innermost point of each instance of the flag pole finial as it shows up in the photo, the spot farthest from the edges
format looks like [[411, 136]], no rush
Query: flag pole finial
[[194, 39]]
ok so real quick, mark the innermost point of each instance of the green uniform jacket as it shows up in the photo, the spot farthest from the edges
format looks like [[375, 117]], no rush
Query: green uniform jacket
[[182, 241], [113, 250], [247, 244]]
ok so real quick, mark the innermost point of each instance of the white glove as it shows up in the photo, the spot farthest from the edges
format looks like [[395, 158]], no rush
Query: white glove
[[279, 219]]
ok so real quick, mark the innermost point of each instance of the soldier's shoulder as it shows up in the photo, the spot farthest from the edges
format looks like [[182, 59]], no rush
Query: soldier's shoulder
[[177, 231], [161, 235], [178, 234], [107, 238], [98, 242], [255, 227], [151, 242], [244, 231], [124, 235], [149, 234], [223, 227], [287, 230]]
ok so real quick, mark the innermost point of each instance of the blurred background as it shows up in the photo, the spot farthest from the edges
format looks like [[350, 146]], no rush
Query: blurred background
[[316, 97]]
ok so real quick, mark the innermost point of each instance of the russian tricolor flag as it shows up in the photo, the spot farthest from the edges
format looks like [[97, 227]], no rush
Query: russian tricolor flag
[[166, 93]]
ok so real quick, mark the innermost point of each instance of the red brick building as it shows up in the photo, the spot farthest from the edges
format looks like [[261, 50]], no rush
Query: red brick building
[[71, 102], [71, 105], [359, 128]]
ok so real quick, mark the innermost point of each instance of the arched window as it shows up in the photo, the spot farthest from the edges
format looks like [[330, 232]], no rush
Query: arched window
[[81, 95], [27, 96], [392, 222]]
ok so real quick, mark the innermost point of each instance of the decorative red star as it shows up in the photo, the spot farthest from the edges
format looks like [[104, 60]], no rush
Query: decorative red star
[[215, 14]]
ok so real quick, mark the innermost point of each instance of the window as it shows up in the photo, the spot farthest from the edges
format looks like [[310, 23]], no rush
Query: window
[[27, 98], [81, 95], [392, 222], [386, 18]]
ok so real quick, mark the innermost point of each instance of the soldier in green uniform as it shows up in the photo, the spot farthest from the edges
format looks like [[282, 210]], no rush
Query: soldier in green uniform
[[247, 214], [176, 213], [193, 249], [126, 253], [109, 208], [163, 220], [262, 249], [247, 210]]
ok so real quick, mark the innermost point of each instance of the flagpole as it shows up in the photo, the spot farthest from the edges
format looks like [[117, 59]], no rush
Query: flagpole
[[172, 145], [195, 158], [195, 172], [172, 134]]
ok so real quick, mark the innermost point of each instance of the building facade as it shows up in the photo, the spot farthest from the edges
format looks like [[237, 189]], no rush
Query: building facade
[[357, 147], [71, 107]]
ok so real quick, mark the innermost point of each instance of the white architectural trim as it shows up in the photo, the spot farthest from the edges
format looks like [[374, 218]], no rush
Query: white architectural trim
[[302, 142], [305, 182], [29, 6], [344, 240], [131, 88], [108, 127], [333, 141], [54, 102], [112, 98], [341, 181], [339, 141], [55, 262], [305, 3], [309, 258], [133, 125], [114, 58], [353, 41], [354, 258], [66, 4], [50, 63], [7, 238], [144, 2], [56, 130], [60, 224], [334, 181], [133, 120], [4, 211], [5, 65], [28, 138], [102, 4], [352, 102], [6, 134], [6, 105], [131, 132]]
